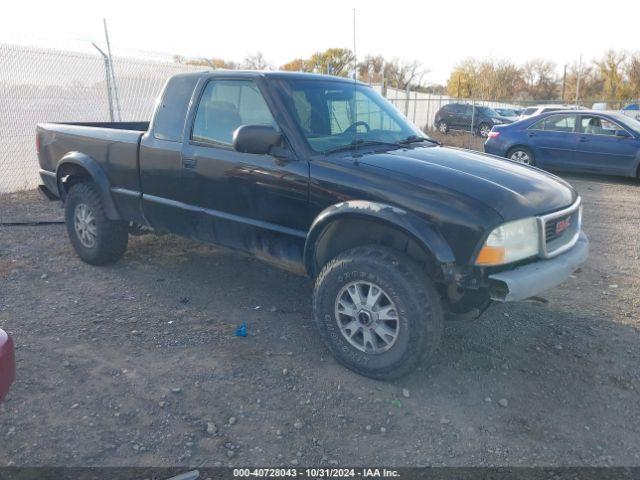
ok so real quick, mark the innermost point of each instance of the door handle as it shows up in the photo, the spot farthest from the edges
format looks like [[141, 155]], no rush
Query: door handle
[[584, 139], [190, 163], [531, 134]]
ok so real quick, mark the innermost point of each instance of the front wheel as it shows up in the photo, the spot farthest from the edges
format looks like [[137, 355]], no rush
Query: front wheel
[[377, 312], [95, 238], [521, 155], [443, 127]]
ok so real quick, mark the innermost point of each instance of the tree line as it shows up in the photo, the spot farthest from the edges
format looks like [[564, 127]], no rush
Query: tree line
[[333, 61], [614, 76]]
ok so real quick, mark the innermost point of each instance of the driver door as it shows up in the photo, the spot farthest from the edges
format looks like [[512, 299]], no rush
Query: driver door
[[243, 200]]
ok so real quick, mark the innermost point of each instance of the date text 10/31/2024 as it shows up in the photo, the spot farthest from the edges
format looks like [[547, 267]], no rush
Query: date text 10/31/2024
[[316, 472]]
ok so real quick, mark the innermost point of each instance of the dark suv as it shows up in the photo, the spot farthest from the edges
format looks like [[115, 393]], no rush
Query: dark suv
[[458, 116]]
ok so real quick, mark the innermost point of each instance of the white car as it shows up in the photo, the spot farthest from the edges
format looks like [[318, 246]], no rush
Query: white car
[[538, 109]]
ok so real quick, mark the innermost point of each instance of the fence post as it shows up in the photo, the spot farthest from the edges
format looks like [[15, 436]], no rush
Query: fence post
[[113, 75], [408, 98], [473, 119], [107, 70]]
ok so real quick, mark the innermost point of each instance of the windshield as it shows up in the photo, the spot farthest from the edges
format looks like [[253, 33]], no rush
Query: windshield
[[507, 112], [333, 115], [489, 112], [530, 111], [629, 122]]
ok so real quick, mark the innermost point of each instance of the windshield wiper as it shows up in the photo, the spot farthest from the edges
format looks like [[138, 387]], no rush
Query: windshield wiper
[[415, 139], [359, 143]]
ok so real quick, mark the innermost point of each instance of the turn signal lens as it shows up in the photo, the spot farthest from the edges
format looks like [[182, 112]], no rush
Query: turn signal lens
[[493, 134], [490, 256]]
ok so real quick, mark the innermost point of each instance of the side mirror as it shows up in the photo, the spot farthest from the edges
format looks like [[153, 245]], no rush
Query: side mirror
[[622, 134], [256, 139]]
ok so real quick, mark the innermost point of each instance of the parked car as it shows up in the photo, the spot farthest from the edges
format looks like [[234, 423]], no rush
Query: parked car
[[540, 109], [631, 110], [582, 140], [7, 364], [394, 228], [510, 113], [458, 116]]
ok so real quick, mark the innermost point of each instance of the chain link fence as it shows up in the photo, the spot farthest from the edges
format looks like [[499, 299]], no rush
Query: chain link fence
[[50, 85], [64, 85]]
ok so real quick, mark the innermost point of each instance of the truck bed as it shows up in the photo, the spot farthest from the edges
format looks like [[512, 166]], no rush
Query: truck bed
[[112, 145]]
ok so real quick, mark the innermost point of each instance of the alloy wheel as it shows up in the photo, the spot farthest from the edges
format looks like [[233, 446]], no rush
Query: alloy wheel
[[521, 156], [84, 223], [367, 317]]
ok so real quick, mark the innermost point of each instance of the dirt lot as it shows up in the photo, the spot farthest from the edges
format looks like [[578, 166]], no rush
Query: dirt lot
[[132, 364]]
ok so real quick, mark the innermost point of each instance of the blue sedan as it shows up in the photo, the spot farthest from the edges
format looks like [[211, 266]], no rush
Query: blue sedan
[[585, 141]]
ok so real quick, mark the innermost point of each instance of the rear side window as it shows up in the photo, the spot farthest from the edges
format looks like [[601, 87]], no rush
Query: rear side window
[[171, 113], [556, 123], [225, 105]]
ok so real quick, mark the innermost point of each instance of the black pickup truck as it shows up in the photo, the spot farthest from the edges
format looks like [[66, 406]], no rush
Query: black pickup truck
[[324, 177]]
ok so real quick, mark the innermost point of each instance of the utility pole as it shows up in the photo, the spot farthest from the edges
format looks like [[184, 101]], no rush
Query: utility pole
[[113, 76], [355, 58], [578, 80], [564, 81]]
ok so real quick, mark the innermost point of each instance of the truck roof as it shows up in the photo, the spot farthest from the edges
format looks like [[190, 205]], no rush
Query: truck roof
[[266, 74]]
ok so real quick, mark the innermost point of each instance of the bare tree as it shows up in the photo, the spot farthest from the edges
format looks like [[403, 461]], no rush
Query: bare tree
[[401, 74], [256, 61], [540, 78]]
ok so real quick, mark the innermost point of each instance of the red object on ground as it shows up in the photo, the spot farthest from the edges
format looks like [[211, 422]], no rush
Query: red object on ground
[[7, 364]]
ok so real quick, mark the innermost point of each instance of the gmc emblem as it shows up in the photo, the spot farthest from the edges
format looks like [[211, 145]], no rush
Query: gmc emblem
[[562, 225]]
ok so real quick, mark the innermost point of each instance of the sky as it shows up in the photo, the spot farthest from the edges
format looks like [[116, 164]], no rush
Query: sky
[[437, 34]]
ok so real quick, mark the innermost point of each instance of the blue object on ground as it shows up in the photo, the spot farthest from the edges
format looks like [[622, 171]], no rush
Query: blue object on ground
[[241, 331]]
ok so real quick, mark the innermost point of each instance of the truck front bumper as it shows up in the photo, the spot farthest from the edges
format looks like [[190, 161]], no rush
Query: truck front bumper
[[534, 278]]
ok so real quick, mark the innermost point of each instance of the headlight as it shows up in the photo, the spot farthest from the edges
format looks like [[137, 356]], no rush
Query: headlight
[[510, 242], [496, 121]]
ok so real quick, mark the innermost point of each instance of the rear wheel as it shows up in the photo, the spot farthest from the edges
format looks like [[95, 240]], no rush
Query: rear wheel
[[95, 238], [521, 155], [377, 312]]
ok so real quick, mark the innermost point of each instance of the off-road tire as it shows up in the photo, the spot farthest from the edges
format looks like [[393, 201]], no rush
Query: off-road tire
[[418, 307], [111, 236]]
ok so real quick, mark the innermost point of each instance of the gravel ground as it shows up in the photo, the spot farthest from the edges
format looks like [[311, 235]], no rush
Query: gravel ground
[[137, 363]]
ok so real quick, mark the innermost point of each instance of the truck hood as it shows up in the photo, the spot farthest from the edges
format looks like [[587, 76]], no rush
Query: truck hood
[[512, 190]]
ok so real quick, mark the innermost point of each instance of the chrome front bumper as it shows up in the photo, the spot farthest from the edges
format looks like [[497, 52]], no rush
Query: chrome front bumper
[[534, 278]]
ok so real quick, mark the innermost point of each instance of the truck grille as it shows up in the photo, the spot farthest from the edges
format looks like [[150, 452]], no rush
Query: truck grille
[[561, 229]]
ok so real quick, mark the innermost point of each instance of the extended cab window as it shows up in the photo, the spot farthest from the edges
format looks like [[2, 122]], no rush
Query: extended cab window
[[556, 123], [224, 106], [171, 112]]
